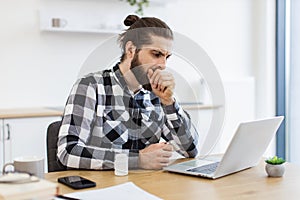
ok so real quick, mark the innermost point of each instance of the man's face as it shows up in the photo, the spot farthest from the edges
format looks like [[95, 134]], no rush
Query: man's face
[[153, 56]]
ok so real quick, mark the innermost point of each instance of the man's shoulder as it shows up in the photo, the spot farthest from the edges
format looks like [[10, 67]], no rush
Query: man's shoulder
[[101, 73], [95, 77]]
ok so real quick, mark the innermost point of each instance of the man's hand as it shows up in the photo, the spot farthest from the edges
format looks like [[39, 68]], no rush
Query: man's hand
[[163, 84], [155, 156]]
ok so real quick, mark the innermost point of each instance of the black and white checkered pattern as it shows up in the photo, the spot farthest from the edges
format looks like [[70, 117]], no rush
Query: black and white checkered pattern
[[103, 117]]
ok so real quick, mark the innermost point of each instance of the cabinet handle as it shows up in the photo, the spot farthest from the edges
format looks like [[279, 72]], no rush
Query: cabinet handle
[[8, 132]]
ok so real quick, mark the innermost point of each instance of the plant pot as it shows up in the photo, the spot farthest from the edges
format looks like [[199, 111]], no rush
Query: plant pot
[[275, 170]]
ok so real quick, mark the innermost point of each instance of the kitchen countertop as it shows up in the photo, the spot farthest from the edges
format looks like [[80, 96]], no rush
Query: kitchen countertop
[[8, 113], [31, 112]]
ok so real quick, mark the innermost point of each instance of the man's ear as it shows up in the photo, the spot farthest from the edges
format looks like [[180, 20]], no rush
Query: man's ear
[[130, 49]]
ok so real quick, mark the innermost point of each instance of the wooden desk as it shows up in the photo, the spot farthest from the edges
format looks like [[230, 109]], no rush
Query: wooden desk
[[248, 184]]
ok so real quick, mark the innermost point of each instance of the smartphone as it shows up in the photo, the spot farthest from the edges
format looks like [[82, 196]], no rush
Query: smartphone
[[76, 182]]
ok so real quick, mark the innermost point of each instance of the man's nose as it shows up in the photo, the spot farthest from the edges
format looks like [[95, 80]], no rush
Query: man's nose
[[162, 63]]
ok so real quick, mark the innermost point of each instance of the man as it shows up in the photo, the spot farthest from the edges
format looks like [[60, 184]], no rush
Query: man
[[129, 108]]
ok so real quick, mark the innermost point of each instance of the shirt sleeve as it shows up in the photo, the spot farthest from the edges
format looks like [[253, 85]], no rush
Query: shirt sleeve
[[78, 125], [178, 127]]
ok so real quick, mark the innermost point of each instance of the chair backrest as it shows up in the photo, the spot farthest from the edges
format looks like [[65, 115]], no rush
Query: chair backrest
[[52, 137]]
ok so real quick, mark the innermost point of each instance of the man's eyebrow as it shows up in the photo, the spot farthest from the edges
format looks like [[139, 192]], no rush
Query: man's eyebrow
[[168, 54]]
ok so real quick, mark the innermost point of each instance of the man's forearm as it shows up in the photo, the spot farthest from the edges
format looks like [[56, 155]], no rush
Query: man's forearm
[[181, 131]]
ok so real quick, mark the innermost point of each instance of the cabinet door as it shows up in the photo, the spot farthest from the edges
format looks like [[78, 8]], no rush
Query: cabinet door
[[5, 143], [1, 145], [28, 137]]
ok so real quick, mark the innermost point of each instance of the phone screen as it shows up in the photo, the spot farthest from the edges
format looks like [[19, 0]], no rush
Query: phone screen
[[76, 182]]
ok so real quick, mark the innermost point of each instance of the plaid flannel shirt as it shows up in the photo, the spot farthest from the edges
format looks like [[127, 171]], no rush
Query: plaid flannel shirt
[[103, 117]]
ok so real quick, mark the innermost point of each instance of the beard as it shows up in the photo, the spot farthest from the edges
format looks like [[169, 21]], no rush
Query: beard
[[139, 73]]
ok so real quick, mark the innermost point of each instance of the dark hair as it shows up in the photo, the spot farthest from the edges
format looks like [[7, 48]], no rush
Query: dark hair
[[140, 31]]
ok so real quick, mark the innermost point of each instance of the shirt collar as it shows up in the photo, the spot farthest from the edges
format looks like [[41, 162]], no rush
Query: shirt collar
[[123, 84], [119, 76]]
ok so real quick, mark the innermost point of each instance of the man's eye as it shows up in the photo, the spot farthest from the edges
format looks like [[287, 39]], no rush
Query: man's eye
[[157, 55]]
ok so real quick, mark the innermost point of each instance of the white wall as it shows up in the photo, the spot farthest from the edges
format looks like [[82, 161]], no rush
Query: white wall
[[38, 68], [222, 28]]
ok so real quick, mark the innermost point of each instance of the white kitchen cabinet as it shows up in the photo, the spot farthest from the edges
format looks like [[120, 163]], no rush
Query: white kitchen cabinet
[[24, 136]]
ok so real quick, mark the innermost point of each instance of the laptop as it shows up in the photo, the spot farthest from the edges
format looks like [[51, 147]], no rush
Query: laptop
[[245, 150]]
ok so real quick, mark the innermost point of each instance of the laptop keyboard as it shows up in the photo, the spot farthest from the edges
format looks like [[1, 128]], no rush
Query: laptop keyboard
[[205, 169]]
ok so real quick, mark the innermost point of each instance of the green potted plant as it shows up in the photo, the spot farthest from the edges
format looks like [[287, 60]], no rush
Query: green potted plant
[[275, 166], [140, 4]]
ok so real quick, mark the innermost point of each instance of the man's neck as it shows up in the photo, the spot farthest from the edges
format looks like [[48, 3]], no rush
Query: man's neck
[[129, 77], [124, 67]]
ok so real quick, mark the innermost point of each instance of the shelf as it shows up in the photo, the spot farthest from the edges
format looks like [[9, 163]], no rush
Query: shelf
[[82, 30], [88, 16], [54, 19], [199, 106]]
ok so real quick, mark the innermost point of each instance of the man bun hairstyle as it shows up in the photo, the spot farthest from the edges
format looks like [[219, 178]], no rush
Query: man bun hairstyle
[[141, 30], [130, 19]]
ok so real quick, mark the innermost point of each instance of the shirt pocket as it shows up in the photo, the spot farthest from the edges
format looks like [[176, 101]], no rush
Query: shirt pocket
[[151, 125], [153, 115], [116, 114], [114, 126]]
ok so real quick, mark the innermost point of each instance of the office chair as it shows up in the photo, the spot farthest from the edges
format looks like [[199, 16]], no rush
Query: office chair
[[52, 136]]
